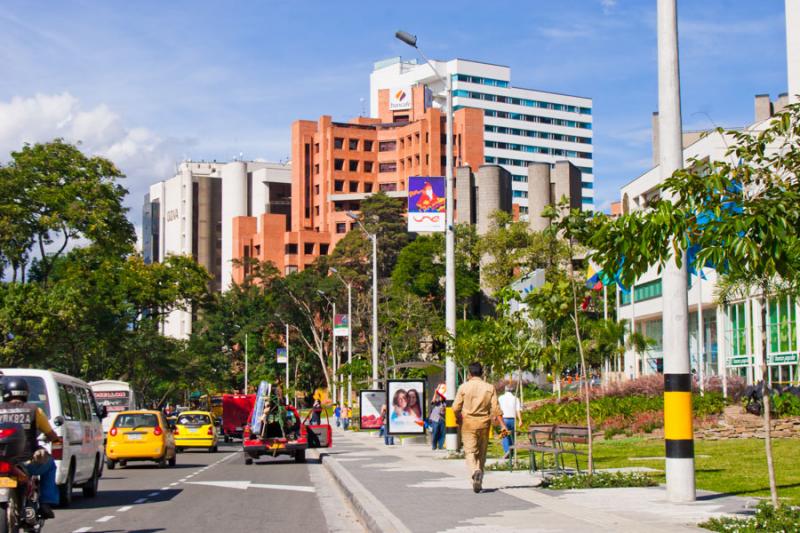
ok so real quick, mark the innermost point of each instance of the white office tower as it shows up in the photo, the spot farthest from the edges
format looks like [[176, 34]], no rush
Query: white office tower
[[192, 214], [521, 126]]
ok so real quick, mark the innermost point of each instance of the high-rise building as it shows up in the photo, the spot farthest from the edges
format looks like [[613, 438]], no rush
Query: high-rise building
[[521, 126], [192, 214]]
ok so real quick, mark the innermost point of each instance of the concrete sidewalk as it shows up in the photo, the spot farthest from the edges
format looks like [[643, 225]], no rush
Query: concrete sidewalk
[[411, 488]]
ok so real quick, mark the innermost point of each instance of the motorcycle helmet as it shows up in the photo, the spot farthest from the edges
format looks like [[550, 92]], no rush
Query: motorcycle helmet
[[15, 388]]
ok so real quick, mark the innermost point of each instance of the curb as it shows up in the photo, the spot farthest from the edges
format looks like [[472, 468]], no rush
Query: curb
[[376, 517]]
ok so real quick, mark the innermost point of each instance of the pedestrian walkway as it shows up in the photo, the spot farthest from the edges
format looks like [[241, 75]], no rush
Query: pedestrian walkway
[[412, 488]]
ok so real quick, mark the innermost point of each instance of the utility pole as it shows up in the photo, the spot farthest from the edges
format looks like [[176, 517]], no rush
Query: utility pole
[[678, 435], [246, 335], [287, 364]]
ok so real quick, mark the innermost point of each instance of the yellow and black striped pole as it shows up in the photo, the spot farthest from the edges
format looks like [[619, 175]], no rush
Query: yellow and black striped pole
[[679, 468], [450, 425]]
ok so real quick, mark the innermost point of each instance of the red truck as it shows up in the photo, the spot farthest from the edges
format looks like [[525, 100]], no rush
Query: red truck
[[236, 410], [293, 439]]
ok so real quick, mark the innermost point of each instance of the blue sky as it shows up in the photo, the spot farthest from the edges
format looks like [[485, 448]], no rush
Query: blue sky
[[151, 82]]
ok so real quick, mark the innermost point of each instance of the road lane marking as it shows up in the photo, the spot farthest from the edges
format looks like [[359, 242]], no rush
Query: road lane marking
[[140, 500], [244, 485], [105, 518], [125, 508], [173, 484], [153, 494], [165, 488], [83, 530]]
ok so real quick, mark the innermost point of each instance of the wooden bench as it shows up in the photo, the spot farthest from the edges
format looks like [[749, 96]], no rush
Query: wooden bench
[[555, 440]]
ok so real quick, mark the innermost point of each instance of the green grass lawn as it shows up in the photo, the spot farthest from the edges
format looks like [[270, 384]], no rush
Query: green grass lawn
[[736, 466]]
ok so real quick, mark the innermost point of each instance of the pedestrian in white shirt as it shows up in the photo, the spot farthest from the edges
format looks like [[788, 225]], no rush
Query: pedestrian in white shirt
[[512, 414]]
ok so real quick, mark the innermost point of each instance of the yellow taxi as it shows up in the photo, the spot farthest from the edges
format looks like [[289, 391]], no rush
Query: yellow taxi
[[195, 429], [140, 436]]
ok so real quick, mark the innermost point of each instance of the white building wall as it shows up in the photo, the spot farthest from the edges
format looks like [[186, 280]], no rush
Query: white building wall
[[234, 204], [793, 49], [394, 73]]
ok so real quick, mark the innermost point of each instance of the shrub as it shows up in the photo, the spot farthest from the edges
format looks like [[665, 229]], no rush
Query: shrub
[[767, 518], [647, 422], [600, 480], [786, 404], [712, 403], [735, 385], [650, 385]]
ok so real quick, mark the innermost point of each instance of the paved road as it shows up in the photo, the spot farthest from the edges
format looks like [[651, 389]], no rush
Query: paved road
[[210, 492]]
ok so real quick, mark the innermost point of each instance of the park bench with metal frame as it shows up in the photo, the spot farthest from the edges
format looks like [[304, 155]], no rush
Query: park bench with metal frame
[[551, 439]]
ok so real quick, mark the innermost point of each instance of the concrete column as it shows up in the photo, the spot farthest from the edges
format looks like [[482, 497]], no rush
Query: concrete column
[[538, 195], [205, 230], [793, 49], [465, 199], [723, 344], [759, 354], [493, 193], [186, 209], [748, 336], [234, 204], [763, 107], [566, 179], [678, 434], [654, 127]]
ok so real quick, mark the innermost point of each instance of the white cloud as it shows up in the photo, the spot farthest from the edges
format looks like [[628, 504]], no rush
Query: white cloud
[[608, 5]]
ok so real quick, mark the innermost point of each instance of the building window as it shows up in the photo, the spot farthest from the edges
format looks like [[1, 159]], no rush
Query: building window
[[402, 143], [338, 143], [645, 291], [353, 165], [316, 210], [389, 166], [308, 248], [353, 186], [388, 187], [387, 146], [353, 144], [338, 164], [323, 249], [316, 148], [291, 269], [290, 249], [401, 119], [367, 146], [367, 187], [367, 166], [316, 189], [316, 168], [781, 325], [427, 137], [341, 227], [338, 185]]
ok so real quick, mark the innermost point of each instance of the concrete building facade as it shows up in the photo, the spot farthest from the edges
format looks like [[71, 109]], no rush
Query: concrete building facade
[[192, 212], [521, 126]]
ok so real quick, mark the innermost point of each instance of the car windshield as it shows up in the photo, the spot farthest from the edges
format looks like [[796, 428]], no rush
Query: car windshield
[[37, 394], [193, 420], [137, 420]]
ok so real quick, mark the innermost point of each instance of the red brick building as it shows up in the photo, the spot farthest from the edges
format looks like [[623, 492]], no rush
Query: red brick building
[[335, 165]]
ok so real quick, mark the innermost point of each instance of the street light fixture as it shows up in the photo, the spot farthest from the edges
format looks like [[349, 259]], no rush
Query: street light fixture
[[374, 238], [349, 334], [451, 439]]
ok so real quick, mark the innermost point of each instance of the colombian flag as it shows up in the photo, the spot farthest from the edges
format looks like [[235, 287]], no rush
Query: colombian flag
[[594, 278]]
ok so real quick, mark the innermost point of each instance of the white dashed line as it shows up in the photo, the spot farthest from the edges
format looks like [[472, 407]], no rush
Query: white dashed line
[[153, 494], [105, 518], [164, 488], [83, 530], [173, 484], [182, 480], [140, 500], [124, 509]]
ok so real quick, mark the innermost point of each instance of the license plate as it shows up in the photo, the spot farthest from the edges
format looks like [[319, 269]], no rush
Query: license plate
[[275, 445], [238, 428], [192, 430], [8, 482], [134, 436]]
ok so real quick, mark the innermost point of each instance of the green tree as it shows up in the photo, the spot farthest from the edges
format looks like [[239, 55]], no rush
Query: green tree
[[741, 213]]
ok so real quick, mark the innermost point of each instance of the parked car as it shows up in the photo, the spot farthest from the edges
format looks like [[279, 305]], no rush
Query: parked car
[[77, 419], [140, 436], [195, 429]]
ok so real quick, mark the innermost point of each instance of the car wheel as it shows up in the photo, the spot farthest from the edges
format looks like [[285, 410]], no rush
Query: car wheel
[[173, 460], [248, 460], [178, 449], [213, 449], [65, 490], [90, 487], [300, 456], [162, 463], [111, 464]]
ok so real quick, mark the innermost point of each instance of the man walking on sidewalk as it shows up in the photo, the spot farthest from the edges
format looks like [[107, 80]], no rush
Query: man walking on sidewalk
[[476, 408]]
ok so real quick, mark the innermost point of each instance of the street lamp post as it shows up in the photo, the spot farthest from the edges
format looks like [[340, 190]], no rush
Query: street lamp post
[[333, 343], [451, 438], [374, 238], [246, 335], [349, 334]]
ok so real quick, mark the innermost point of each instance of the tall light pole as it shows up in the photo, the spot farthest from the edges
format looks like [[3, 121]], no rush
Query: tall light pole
[[678, 435], [287, 364], [374, 238], [451, 436], [333, 342], [246, 335], [349, 286]]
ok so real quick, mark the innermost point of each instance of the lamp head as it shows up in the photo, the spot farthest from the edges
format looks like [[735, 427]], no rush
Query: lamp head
[[352, 215], [410, 40]]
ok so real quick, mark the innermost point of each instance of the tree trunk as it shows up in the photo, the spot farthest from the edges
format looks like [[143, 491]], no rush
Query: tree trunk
[[773, 487], [586, 400]]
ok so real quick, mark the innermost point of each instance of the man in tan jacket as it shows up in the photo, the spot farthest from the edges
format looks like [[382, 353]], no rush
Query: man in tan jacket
[[476, 407]]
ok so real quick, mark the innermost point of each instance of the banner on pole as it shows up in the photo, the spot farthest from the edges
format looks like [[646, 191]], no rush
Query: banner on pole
[[282, 357], [341, 324], [426, 203]]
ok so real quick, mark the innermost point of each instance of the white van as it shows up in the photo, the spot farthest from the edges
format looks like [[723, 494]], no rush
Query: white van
[[76, 418], [115, 396]]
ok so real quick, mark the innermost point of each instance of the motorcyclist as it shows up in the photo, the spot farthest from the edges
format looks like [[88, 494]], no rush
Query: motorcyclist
[[16, 409]]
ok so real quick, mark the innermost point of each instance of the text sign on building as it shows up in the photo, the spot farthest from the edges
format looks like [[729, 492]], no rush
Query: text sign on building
[[783, 358], [340, 325], [399, 98], [426, 203], [282, 358], [739, 361]]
